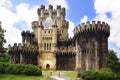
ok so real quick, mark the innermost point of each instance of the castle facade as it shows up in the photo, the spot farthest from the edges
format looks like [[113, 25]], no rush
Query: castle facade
[[49, 47]]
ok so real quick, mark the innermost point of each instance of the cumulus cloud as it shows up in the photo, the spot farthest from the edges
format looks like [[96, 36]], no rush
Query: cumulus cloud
[[113, 8], [84, 19], [63, 3], [9, 19], [26, 13]]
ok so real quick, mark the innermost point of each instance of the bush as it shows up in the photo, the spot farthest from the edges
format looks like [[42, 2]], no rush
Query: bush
[[28, 69], [31, 70], [102, 74], [107, 74], [3, 67], [90, 75], [118, 76]]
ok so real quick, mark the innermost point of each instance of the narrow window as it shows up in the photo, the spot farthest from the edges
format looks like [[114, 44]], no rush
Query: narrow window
[[47, 46], [44, 31], [50, 46], [44, 46], [48, 31]]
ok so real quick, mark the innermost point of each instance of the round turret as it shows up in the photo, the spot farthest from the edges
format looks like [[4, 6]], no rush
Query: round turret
[[92, 45]]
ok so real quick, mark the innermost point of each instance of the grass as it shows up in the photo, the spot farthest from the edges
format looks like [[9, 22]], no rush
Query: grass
[[45, 73], [21, 77], [72, 74]]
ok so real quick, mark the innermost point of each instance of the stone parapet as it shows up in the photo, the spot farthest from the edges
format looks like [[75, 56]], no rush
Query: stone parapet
[[92, 27]]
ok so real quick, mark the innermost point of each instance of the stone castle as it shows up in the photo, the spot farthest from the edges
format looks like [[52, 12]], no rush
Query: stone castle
[[49, 47]]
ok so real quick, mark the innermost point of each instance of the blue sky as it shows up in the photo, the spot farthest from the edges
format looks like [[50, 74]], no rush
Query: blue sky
[[17, 15]]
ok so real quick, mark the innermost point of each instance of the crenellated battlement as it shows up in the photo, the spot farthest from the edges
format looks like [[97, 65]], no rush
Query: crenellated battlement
[[28, 38], [27, 33], [50, 12], [22, 48], [92, 27]]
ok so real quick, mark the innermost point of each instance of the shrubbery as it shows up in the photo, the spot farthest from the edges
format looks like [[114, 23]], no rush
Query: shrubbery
[[28, 69], [89, 75], [102, 74]]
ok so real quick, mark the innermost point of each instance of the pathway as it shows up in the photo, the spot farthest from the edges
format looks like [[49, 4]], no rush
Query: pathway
[[60, 76]]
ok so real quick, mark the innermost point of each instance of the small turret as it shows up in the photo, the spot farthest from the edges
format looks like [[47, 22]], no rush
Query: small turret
[[58, 11], [50, 10], [63, 12], [35, 26]]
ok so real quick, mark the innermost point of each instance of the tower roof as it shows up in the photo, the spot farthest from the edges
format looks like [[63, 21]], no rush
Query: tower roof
[[48, 23]]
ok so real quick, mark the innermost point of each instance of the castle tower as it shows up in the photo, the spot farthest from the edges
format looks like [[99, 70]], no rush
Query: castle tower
[[57, 15], [91, 45], [35, 25]]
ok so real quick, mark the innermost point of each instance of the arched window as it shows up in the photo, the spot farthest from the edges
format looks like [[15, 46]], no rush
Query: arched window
[[50, 46], [47, 46]]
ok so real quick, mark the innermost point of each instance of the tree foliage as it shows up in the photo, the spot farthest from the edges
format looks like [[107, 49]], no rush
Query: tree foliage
[[5, 57], [113, 61], [2, 40]]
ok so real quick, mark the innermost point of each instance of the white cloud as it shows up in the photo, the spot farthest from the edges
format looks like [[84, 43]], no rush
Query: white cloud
[[26, 13], [84, 19], [71, 27], [63, 3], [5, 3], [9, 19], [113, 7]]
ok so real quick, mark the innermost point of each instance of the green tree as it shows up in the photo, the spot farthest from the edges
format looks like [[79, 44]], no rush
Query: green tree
[[2, 40], [5, 57], [113, 61]]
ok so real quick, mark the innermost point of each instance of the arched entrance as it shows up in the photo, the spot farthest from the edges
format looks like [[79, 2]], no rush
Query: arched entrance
[[47, 66]]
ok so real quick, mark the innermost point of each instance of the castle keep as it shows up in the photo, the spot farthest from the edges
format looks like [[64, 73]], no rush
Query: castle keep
[[49, 47]]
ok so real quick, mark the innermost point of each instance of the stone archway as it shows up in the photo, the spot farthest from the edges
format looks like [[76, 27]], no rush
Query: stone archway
[[47, 66]]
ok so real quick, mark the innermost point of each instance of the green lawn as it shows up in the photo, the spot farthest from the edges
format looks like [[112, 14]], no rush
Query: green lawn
[[45, 73], [21, 77], [72, 74]]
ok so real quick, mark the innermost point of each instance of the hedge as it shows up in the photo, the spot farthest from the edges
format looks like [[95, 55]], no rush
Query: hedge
[[102, 74], [27, 69]]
